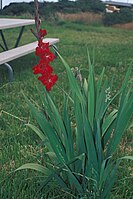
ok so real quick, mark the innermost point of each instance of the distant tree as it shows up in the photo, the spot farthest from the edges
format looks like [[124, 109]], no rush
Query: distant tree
[[18, 9], [124, 16], [63, 1], [48, 9], [91, 5], [1, 4]]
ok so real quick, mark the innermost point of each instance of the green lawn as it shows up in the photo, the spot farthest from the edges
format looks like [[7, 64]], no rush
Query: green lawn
[[110, 48]]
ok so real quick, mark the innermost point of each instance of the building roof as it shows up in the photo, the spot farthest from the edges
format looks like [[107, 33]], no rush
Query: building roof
[[116, 3]]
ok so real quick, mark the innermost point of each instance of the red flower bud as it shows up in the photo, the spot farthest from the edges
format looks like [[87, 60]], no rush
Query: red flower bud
[[42, 33]]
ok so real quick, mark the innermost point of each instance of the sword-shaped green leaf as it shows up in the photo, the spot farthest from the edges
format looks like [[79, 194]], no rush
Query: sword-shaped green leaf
[[72, 80]]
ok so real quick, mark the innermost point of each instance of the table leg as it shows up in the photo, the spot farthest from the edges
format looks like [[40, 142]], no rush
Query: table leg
[[4, 41], [19, 37], [2, 47], [5, 47], [9, 70]]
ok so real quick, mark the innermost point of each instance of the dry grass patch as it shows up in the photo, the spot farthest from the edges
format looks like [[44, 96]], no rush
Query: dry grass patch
[[127, 26], [84, 17]]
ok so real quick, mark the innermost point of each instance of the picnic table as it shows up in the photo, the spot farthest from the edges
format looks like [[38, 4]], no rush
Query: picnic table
[[17, 51]]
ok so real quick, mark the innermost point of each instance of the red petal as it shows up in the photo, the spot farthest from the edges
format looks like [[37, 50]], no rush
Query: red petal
[[43, 32]]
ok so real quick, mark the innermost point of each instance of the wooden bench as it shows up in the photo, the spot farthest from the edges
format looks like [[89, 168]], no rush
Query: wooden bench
[[15, 53]]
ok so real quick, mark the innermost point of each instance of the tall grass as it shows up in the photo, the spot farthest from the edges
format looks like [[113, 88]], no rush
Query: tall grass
[[112, 49], [86, 18]]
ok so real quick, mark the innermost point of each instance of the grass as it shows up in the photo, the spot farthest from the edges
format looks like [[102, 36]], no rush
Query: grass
[[112, 49]]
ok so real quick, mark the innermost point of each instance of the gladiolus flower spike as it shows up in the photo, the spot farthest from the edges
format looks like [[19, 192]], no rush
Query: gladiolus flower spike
[[43, 67]]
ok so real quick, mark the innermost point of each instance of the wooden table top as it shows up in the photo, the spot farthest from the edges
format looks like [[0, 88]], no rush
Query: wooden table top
[[6, 23]]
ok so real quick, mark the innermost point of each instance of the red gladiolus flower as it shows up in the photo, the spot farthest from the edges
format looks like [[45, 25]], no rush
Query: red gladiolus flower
[[36, 69], [48, 69], [44, 53], [53, 78], [44, 62], [48, 80], [41, 68], [43, 79], [42, 44], [46, 56], [42, 49]]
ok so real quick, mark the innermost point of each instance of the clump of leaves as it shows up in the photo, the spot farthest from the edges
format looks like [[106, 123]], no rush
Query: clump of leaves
[[82, 139]]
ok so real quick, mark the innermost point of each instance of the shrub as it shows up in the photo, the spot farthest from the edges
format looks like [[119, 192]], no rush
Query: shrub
[[18, 9], [50, 8], [125, 15]]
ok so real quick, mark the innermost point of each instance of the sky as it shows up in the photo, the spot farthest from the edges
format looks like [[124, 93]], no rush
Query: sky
[[7, 2]]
